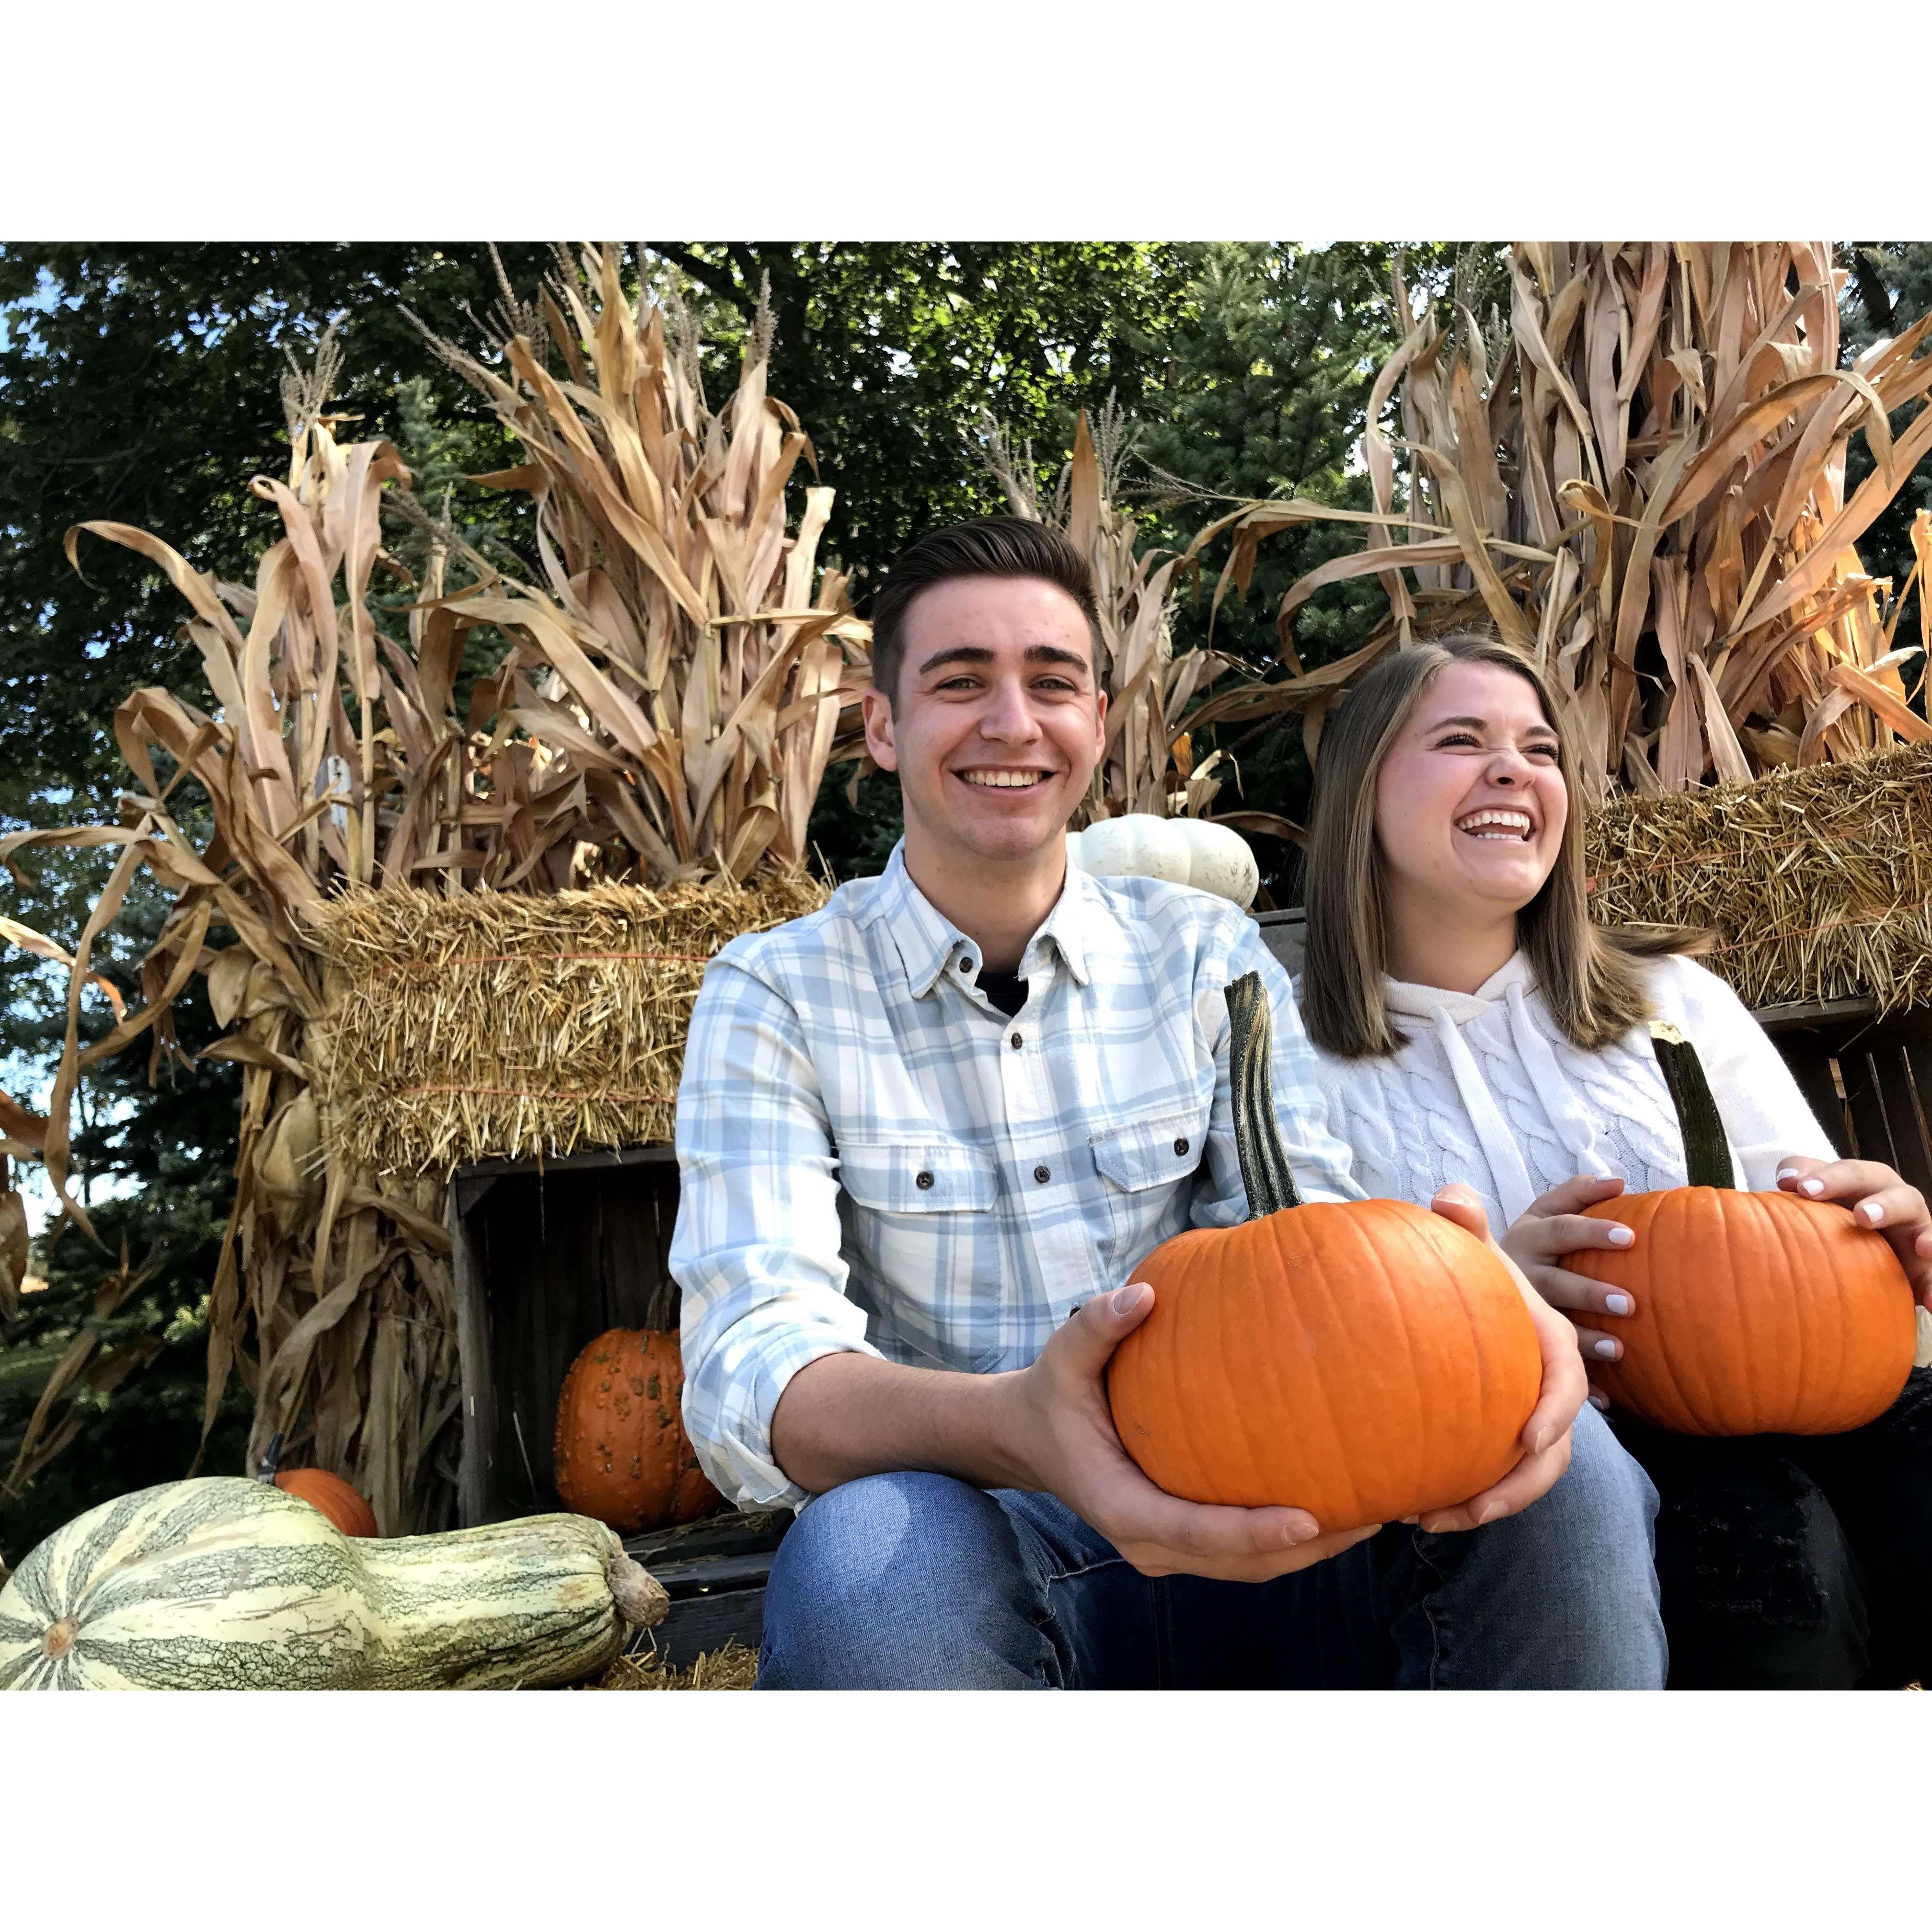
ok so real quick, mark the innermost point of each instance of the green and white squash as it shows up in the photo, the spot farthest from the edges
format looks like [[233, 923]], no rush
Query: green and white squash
[[223, 1584], [1185, 851]]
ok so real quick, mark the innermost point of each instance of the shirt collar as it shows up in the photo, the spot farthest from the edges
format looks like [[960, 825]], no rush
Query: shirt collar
[[928, 942]]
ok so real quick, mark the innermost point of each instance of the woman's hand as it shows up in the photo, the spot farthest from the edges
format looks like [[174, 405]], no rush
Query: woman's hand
[[1545, 1435], [1878, 1198], [1554, 1226]]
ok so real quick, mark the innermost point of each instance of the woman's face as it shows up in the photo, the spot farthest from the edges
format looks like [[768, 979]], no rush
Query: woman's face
[[1470, 805]]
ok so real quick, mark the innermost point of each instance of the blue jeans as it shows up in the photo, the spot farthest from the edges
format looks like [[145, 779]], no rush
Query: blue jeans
[[917, 1581]]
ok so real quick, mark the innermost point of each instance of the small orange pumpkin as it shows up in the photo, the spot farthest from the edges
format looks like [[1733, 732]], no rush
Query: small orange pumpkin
[[343, 1506], [1756, 1314], [620, 1452], [1364, 1361]]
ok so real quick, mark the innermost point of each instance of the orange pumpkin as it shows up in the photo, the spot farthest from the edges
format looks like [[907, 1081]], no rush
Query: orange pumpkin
[[621, 1452], [1756, 1313], [343, 1505], [1364, 1361]]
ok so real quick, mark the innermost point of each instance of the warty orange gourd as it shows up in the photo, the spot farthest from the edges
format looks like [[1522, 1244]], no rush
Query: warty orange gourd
[[620, 1450]]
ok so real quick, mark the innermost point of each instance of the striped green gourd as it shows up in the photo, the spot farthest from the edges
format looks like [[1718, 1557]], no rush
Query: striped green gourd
[[221, 1583]]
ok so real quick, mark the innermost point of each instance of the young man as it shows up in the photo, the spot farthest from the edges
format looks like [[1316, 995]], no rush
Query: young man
[[925, 1136]]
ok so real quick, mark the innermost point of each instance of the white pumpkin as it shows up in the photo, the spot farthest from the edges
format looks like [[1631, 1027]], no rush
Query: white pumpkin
[[223, 1584], [1184, 851]]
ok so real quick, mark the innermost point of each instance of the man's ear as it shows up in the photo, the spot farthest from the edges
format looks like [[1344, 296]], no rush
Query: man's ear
[[1099, 725], [877, 710]]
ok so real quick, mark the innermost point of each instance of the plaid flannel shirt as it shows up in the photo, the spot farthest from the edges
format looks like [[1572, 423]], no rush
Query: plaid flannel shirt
[[875, 1158]]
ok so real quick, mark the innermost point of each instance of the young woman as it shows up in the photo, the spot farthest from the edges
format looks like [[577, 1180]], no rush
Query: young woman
[[1472, 1022]]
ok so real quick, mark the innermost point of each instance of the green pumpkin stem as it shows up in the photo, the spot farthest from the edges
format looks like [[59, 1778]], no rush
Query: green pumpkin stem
[[1264, 1171], [1707, 1153]]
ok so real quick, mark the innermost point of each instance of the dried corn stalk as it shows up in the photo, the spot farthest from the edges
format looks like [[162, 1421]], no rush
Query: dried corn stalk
[[685, 663], [1148, 764], [667, 705], [1642, 483]]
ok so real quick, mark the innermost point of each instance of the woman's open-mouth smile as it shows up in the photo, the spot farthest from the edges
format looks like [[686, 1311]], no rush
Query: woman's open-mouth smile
[[1515, 827]]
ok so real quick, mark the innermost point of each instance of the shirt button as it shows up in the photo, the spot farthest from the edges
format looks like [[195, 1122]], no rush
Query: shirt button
[[1180, 1147], [965, 965], [1015, 1040], [1043, 1174], [921, 1179]]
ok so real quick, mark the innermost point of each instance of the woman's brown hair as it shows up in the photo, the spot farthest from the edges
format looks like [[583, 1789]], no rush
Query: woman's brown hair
[[1589, 977]]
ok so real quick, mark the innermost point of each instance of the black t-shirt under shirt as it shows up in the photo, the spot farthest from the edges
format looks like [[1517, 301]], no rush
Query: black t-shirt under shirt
[[1006, 990]]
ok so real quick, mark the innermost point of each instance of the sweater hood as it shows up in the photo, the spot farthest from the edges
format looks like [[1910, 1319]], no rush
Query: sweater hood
[[1506, 993], [1399, 996]]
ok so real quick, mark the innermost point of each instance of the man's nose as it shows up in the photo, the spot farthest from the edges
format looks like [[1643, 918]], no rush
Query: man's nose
[[1009, 716]]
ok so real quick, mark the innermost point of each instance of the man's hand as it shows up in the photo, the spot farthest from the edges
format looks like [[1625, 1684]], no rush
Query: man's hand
[[1554, 1226], [1063, 1432], [1545, 1435], [1878, 1198]]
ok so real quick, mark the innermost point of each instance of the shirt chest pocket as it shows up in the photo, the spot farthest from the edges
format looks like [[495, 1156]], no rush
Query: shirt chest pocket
[[919, 1176], [923, 1243], [1162, 1152], [1147, 1169]]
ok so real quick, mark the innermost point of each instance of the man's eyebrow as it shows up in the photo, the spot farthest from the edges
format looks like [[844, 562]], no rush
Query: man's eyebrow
[[978, 654]]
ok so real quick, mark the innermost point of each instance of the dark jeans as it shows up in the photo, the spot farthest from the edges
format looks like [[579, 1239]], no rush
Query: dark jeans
[[1796, 1562], [917, 1581]]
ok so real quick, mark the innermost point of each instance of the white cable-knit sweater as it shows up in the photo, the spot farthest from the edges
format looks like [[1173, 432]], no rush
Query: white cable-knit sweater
[[1488, 1091]]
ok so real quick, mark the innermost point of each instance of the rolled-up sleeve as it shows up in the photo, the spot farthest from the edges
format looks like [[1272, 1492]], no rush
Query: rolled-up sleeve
[[1320, 1162], [756, 1248]]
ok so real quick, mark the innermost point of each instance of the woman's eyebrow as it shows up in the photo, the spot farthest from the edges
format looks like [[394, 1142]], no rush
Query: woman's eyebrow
[[1537, 730]]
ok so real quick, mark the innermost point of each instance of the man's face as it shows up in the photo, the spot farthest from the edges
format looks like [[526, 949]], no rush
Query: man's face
[[999, 724]]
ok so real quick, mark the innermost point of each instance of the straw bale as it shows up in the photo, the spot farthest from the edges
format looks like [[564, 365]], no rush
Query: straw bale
[[1816, 881], [510, 1024]]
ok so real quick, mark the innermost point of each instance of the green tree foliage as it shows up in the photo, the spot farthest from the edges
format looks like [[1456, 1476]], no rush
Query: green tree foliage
[[1890, 288]]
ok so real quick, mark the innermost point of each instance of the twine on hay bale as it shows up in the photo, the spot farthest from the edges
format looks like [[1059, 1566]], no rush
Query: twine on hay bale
[[1816, 881], [507, 1024]]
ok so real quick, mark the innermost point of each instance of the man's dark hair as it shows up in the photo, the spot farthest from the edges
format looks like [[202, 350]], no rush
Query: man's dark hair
[[986, 547]]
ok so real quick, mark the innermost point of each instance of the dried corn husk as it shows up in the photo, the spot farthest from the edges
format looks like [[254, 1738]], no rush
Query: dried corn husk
[[672, 694], [1644, 488], [1148, 764]]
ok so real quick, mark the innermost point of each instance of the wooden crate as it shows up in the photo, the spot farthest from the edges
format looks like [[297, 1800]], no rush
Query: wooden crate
[[550, 1254]]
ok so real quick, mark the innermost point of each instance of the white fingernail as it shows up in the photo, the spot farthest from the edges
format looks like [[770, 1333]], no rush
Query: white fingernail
[[1605, 1348], [1599, 1402], [1622, 1237], [1871, 1213], [1812, 1186], [1619, 1304]]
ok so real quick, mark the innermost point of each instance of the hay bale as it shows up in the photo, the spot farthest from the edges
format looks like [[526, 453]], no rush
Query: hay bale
[[1816, 881], [733, 1668], [498, 1024]]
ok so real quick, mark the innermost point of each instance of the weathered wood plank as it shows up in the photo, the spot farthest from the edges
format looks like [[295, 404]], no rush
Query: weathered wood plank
[[473, 1477]]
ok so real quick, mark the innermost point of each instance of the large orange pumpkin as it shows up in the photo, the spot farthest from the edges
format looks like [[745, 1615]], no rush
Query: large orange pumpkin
[[343, 1506], [1364, 1361], [1756, 1313], [621, 1452]]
